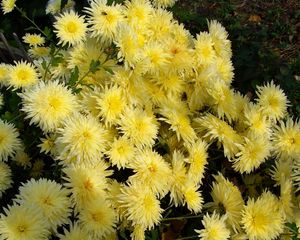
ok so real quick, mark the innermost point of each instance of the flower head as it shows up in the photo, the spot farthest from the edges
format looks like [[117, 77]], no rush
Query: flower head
[[70, 28], [5, 177], [8, 5], [33, 39]]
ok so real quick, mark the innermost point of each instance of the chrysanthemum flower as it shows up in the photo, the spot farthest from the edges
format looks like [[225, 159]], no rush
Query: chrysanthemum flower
[[286, 139], [23, 223], [98, 218], [138, 233], [214, 228], [104, 19], [70, 28], [140, 127], [164, 3], [152, 171], [48, 144], [204, 51], [228, 200], [9, 141], [138, 13], [224, 70], [21, 158], [262, 218], [75, 232], [54, 6], [33, 39], [48, 104], [197, 160], [111, 103], [1, 101], [295, 176], [49, 197], [178, 178], [22, 75], [252, 153], [141, 206], [39, 52], [282, 170], [5, 178], [8, 5], [192, 197], [171, 82], [272, 101], [219, 36], [85, 182], [4, 73], [286, 200], [83, 139], [121, 153]]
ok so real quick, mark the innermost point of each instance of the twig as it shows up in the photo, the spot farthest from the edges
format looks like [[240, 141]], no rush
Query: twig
[[182, 217]]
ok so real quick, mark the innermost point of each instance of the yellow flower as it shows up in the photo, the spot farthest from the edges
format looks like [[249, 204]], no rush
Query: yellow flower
[[85, 182], [21, 158], [1, 101], [22, 75], [164, 3], [262, 218], [228, 200], [286, 139], [272, 101], [140, 127], [5, 177], [74, 233], [141, 206], [152, 171], [4, 73], [48, 104], [39, 52], [48, 144], [138, 13], [9, 141], [53, 6], [104, 20], [8, 5], [83, 139], [192, 197], [49, 197], [214, 228], [33, 39], [121, 153], [70, 28], [252, 153], [98, 218], [204, 51], [23, 223]]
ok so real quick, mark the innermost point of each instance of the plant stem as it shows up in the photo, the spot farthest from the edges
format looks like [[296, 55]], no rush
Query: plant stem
[[24, 15], [184, 238], [181, 218]]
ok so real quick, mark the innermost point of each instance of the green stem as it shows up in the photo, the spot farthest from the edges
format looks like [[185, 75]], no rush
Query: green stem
[[31, 21], [181, 218], [16, 117], [191, 237], [50, 62]]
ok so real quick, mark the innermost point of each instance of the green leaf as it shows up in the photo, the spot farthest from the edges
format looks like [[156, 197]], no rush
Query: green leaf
[[74, 77], [109, 70], [94, 66]]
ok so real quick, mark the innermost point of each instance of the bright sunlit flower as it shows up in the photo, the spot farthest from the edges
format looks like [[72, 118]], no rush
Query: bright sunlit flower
[[22, 75], [70, 28], [48, 104], [9, 140], [33, 39], [8, 5]]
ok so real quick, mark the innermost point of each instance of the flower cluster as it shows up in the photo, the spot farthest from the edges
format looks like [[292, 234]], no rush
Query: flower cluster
[[133, 110]]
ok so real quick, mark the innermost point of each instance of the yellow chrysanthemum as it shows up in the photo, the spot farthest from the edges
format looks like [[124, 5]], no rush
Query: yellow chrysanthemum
[[4, 74], [282, 170], [83, 139], [9, 141], [286, 139], [214, 228], [23, 223], [164, 3], [22, 159], [272, 101], [192, 197], [75, 232], [178, 178], [49, 197], [228, 200], [171, 82], [204, 51], [5, 178], [197, 159], [252, 153], [85, 182], [152, 171], [104, 19], [138, 233], [140, 127], [33, 39], [8, 5], [138, 13], [70, 28], [121, 153], [39, 52], [98, 218], [222, 44], [262, 218], [22, 75], [111, 103], [48, 144], [1, 101], [141, 206], [224, 70], [48, 104]]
